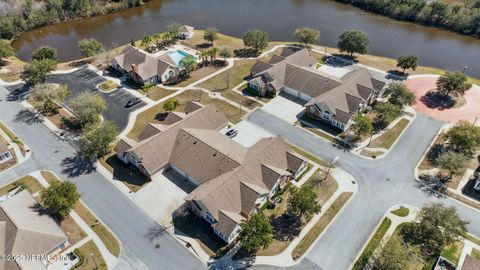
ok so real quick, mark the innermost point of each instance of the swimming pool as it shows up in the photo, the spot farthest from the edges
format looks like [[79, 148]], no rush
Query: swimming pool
[[177, 56]]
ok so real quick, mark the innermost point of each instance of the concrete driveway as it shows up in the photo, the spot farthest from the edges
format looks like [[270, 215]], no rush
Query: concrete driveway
[[249, 133], [163, 195], [86, 80], [285, 107]]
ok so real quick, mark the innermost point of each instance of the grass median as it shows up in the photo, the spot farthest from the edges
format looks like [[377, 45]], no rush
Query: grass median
[[372, 244]]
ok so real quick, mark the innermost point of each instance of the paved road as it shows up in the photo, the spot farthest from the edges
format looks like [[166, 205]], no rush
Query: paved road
[[382, 183], [138, 233]]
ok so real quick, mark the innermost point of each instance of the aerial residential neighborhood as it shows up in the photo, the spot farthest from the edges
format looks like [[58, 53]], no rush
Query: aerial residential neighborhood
[[213, 135]]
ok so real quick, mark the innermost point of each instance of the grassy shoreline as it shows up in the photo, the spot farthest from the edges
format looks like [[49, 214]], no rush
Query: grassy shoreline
[[379, 62]]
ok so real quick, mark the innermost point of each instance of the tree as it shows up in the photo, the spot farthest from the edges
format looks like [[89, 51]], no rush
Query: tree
[[60, 197], [173, 31], [97, 143], [453, 163], [306, 35], [6, 50], [438, 227], [362, 125], [36, 71], [225, 53], [212, 52], [146, 41], [399, 95], [256, 232], [464, 137], [45, 52], [303, 201], [454, 84], [387, 112], [210, 35], [89, 47], [354, 41], [47, 96], [187, 65], [406, 62], [396, 255], [255, 39], [132, 42], [171, 104], [87, 107]]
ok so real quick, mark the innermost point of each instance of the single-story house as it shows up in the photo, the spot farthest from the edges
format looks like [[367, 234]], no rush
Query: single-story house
[[328, 98], [24, 231], [232, 181], [143, 68], [186, 32], [5, 153]]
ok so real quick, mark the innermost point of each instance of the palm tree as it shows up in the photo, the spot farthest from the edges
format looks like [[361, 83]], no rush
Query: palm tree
[[204, 55], [213, 53]]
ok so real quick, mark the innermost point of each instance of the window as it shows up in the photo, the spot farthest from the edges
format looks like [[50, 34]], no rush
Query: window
[[5, 156], [209, 218]]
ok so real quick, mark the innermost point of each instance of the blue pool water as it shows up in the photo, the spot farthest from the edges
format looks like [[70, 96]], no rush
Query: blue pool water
[[177, 56]]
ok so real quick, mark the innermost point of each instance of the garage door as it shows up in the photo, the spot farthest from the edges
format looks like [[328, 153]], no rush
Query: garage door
[[305, 97], [290, 91]]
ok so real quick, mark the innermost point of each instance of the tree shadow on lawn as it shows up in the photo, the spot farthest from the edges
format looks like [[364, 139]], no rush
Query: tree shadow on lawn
[[285, 227], [125, 173], [77, 165]]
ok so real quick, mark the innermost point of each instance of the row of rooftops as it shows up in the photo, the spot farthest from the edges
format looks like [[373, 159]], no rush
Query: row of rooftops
[[295, 69], [231, 176], [143, 63]]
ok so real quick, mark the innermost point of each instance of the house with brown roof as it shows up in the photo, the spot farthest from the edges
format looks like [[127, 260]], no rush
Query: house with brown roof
[[328, 98], [232, 181], [143, 68], [25, 231]]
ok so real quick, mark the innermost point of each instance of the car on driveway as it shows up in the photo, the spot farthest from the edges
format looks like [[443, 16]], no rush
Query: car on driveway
[[232, 133], [132, 102]]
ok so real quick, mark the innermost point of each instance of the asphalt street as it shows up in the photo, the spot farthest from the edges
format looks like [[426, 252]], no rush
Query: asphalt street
[[382, 184], [144, 244]]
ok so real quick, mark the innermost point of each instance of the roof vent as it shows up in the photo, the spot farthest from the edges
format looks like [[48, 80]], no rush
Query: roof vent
[[215, 154]]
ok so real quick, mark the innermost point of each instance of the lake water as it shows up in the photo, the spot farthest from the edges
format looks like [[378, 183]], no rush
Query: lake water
[[279, 18]]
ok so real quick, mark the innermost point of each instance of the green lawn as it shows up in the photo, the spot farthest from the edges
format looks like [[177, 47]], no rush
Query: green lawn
[[401, 212], [108, 86], [237, 74], [105, 235], [50, 177], [475, 253], [28, 182], [452, 252], [387, 139], [372, 244], [13, 137], [426, 164], [90, 257], [472, 238], [320, 226], [157, 93]]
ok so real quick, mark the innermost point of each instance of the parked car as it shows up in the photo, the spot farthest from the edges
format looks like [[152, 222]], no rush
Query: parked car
[[132, 102], [232, 133]]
